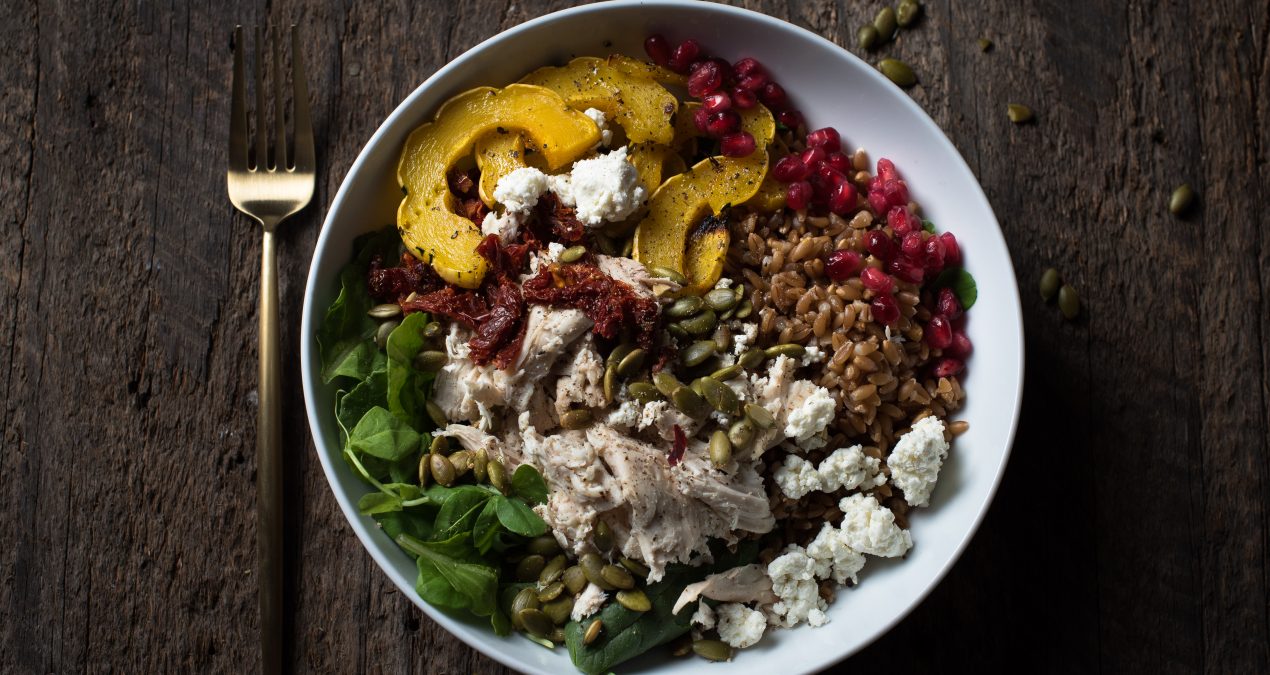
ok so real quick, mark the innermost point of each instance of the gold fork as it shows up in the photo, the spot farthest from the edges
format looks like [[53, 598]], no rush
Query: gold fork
[[270, 192]]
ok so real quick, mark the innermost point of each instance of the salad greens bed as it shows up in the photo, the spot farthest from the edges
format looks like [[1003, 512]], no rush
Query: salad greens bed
[[462, 537]]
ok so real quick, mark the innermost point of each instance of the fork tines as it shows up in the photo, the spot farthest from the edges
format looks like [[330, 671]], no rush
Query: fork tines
[[301, 157]]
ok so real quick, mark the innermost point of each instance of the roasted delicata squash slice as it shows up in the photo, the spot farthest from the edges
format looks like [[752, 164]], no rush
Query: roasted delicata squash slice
[[655, 163], [646, 70], [642, 107], [662, 238], [426, 218], [770, 196], [497, 155]]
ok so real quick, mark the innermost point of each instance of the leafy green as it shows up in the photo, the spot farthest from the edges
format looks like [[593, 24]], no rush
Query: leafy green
[[346, 336], [380, 434], [961, 283], [528, 484], [486, 529], [406, 385], [353, 404], [628, 634], [516, 516], [459, 512], [928, 226], [451, 576]]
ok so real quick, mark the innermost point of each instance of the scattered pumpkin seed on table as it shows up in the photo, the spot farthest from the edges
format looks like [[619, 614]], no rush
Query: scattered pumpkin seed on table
[[907, 12], [886, 23], [1181, 199], [1049, 284], [1018, 113], [898, 72], [1068, 302], [867, 37], [984, 44]]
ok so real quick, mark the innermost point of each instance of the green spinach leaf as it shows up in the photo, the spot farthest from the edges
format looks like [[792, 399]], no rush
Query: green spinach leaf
[[961, 283], [352, 405], [448, 577], [380, 434], [487, 527], [345, 338], [528, 484], [415, 522], [406, 386], [516, 516], [459, 512]]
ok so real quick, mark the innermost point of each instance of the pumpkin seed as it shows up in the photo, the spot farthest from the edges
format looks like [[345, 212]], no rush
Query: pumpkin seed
[[432, 329], [677, 331], [682, 646], [576, 419], [665, 382], [1068, 302], [480, 465], [1181, 199], [381, 334], [461, 461], [440, 445], [741, 433], [558, 610], [634, 600], [436, 414], [617, 577], [644, 392], [530, 567], [544, 546], [552, 570], [575, 579], [689, 402], [1049, 284], [720, 448], [557, 636], [886, 23], [632, 363], [685, 307], [759, 416], [541, 642], [636, 567], [535, 622], [592, 632], [602, 537], [442, 470], [907, 12], [725, 316], [572, 254], [497, 475], [1018, 113], [723, 337], [527, 598], [720, 396], [714, 650], [697, 353], [744, 309], [424, 474], [696, 387], [702, 323], [984, 44], [551, 591], [898, 72], [725, 374], [611, 384], [592, 567], [619, 352], [667, 273], [721, 299], [385, 311], [867, 37], [752, 358], [794, 351], [430, 361]]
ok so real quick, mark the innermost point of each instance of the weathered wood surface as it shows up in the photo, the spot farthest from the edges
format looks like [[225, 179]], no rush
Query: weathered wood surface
[[1130, 533]]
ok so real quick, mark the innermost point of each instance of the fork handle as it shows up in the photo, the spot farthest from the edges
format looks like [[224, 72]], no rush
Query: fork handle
[[269, 463]]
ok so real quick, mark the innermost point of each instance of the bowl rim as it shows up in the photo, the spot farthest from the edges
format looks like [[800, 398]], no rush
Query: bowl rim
[[312, 315]]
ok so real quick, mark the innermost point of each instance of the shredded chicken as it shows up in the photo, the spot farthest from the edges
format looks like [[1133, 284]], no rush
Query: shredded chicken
[[739, 584], [634, 274], [581, 381]]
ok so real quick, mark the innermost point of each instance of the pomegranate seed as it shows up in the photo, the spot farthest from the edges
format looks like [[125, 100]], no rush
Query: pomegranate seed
[[716, 103], [830, 176], [901, 221], [876, 280], [938, 332], [772, 95], [813, 156], [839, 161], [842, 263], [738, 144], [790, 169], [948, 367], [826, 138], [701, 118], [896, 192], [885, 310], [752, 82], [798, 195], [906, 270], [792, 119], [947, 304], [743, 99], [842, 198], [658, 49], [747, 66], [886, 170], [684, 55], [935, 255], [722, 123], [960, 347], [725, 69], [877, 202], [705, 80], [880, 245], [911, 246], [952, 250]]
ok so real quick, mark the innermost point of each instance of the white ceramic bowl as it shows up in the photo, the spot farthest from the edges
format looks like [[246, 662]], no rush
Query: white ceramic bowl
[[831, 87]]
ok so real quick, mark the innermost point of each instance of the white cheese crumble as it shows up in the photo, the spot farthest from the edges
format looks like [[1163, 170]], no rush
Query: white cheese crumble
[[625, 415], [743, 336], [916, 460], [605, 188], [870, 527], [723, 282], [796, 477], [811, 417], [834, 556], [597, 116], [850, 468], [739, 625], [812, 355], [506, 226], [793, 575], [704, 616], [519, 190]]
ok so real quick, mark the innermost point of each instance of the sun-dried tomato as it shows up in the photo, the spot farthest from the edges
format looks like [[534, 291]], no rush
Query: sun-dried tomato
[[610, 304], [462, 182], [500, 335], [473, 209], [562, 220], [459, 304], [395, 283], [679, 447]]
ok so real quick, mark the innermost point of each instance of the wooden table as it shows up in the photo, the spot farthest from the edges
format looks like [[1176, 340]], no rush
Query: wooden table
[[1130, 533]]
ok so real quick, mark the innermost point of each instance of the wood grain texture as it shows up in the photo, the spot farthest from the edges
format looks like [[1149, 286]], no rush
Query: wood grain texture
[[1131, 532]]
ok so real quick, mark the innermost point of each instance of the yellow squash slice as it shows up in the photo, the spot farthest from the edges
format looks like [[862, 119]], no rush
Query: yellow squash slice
[[497, 155], [642, 107]]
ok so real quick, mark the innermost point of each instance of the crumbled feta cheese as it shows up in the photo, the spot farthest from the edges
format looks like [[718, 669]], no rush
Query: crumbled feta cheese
[[793, 575], [743, 336], [651, 413], [625, 415], [506, 226], [519, 190], [796, 477], [723, 282], [589, 601], [703, 617], [605, 188], [870, 527], [720, 419], [811, 417], [540, 258], [597, 116], [834, 556], [739, 625], [850, 468], [812, 355], [916, 460]]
